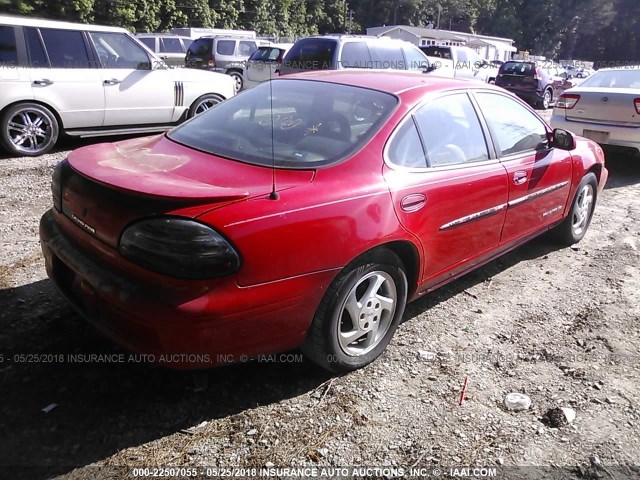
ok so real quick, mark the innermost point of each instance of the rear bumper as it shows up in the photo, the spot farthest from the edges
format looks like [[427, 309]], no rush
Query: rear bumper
[[207, 325], [628, 137], [529, 95]]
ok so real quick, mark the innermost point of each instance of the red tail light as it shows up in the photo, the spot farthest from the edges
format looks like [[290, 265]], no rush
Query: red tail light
[[636, 103], [567, 101], [212, 61]]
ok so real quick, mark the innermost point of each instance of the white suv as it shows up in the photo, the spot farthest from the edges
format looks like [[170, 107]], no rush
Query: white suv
[[88, 80]]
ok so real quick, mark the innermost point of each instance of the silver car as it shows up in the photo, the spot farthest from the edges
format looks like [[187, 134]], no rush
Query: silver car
[[605, 108], [170, 48], [264, 64]]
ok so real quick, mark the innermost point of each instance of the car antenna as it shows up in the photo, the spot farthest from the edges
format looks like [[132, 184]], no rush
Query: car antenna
[[274, 193]]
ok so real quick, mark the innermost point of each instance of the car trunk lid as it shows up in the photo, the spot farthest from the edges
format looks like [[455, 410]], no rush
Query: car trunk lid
[[611, 106], [108, 186]]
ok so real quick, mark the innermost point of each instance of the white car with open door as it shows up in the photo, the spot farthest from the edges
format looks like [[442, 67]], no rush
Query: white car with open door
[[88, 80]]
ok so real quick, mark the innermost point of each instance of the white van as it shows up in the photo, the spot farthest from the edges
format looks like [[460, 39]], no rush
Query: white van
[[90, 80]]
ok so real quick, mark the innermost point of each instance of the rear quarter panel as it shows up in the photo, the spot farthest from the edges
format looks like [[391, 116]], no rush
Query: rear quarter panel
[[345, 211]]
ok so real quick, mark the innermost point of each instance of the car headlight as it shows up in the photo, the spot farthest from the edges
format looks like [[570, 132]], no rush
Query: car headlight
[[179, 247]]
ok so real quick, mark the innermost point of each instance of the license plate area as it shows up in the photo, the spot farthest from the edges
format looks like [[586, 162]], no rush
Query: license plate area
[[596, 135], [76, 289]]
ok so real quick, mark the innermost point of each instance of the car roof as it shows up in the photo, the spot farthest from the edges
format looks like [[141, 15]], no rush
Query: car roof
[[42, 23], [389, 81], [149, 35]]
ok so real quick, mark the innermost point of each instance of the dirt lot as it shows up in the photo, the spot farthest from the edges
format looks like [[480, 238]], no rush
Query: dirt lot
[[560, 325]]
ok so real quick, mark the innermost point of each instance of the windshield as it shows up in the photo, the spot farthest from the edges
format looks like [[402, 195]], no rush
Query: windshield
[[303, 124], [614, 79]]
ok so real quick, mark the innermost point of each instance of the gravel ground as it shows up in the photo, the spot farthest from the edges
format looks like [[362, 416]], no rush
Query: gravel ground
[[559, 324]]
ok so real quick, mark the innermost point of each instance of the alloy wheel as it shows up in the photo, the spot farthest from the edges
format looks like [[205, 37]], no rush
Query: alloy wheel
[[29, 130], [582, 210], [367, 313]]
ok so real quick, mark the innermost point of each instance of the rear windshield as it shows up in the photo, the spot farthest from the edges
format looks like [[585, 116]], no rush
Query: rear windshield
[[311, 54], [440, 52], [517, 68], [201, 47], [289, 123], [614, 79]]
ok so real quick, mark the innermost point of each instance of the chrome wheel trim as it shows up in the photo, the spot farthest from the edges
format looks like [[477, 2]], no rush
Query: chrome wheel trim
[[546, 101], [205, 105], [582, 210], [237, 78], [366, 313], [29, 130]]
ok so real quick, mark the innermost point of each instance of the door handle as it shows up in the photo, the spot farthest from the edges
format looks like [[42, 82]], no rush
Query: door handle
[[413, 202], [43, 83], [520, 177], [112, 81]]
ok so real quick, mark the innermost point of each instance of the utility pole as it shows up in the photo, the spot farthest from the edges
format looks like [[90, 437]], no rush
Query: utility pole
[[439, 12], [350, 20]]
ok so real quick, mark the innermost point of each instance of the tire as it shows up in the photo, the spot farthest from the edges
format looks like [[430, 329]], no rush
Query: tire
[[574, 227], [204, 103], [28, 129], [380, 275], [237, 78], [546, 100]]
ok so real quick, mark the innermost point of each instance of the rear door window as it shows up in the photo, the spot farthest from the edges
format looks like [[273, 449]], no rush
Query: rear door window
[[451, 131], [406, 148], [8, 48], [355, 55], [35, 49], [66, 48], [226, 47]]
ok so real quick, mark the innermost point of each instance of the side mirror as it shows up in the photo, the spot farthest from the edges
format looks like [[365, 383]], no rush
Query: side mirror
[[430, 68], [563, 140]]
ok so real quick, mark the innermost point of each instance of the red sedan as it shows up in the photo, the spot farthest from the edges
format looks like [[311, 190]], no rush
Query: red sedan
[[307, 212]]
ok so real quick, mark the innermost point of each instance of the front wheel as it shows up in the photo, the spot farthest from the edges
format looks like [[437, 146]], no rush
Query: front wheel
[[359, 313], [238, 80], [28, 129], [574, 227]]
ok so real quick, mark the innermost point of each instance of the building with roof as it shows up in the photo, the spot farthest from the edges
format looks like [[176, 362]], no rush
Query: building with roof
[[490, 48]]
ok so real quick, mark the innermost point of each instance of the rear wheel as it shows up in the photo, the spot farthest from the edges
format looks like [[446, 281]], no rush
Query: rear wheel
[[545, 103], [237, 78], [359, 313], [574, 227], [28, 129], [204, 103]]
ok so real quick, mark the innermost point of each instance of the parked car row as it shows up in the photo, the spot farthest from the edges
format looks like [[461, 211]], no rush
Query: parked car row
[[538, 84], [87, 80]]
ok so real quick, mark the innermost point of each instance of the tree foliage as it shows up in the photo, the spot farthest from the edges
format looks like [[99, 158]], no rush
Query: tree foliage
[[586, 29]]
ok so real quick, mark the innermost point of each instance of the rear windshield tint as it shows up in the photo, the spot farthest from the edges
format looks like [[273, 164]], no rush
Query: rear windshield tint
[[614, 79], [292, 123], [311, 54], [517, 68]]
